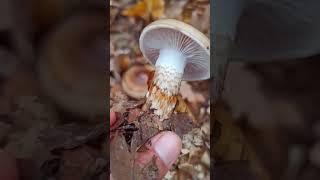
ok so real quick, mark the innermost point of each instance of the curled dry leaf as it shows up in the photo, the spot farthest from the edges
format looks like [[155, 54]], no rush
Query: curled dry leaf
[[146, 9]]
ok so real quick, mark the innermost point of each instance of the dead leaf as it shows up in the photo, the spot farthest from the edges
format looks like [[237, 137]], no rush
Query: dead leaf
[[120, 160], [156, 7], [146, 9], [77, 164], [133, 114], [187, 93], [182, 107], [70, 136], [180, 123], [137, 10]]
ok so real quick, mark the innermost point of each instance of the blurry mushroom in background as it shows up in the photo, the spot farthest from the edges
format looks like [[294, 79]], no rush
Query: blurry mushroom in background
[[46, 14], [72, 65], [179, 52], [135, 79]]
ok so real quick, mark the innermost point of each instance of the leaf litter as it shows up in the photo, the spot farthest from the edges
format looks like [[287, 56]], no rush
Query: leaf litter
[[136, 125]]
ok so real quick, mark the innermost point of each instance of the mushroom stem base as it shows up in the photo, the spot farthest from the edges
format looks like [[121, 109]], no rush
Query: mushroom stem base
[[162, 95]]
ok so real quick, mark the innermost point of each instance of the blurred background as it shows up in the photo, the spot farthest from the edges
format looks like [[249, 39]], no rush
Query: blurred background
[[266, 125], [273, 114], [53, 80]]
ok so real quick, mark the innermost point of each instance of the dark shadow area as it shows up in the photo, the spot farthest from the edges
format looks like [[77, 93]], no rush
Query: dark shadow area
[[54, 57], [268, 116], [265, 87]]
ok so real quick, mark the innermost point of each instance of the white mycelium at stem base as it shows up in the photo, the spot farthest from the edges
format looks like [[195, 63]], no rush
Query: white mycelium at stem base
[[162, 94]]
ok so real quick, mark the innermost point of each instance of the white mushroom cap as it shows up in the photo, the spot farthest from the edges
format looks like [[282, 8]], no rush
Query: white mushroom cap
[[173, 34]]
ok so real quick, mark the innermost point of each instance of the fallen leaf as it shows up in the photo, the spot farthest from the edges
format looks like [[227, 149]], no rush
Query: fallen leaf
[[121, 160], [79, 163], [182, 107], [187, 93], [180, 123], [146, 8], [133, 115], [155, 7], [137, 10], [70, 136]]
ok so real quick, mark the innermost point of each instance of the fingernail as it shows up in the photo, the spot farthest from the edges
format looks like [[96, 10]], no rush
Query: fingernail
[[168, 148]]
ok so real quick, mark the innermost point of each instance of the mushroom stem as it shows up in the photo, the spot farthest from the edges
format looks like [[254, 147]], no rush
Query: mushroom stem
[[163, 91]]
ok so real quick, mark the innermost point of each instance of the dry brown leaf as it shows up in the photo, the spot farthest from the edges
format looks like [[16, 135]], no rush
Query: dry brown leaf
[[137, 10], [145, 9], [187, 93], [182, 107], [155, 7]]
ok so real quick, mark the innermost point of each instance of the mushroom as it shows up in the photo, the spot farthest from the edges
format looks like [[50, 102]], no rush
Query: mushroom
[[134, 81], [72, 64], [179, 52]]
